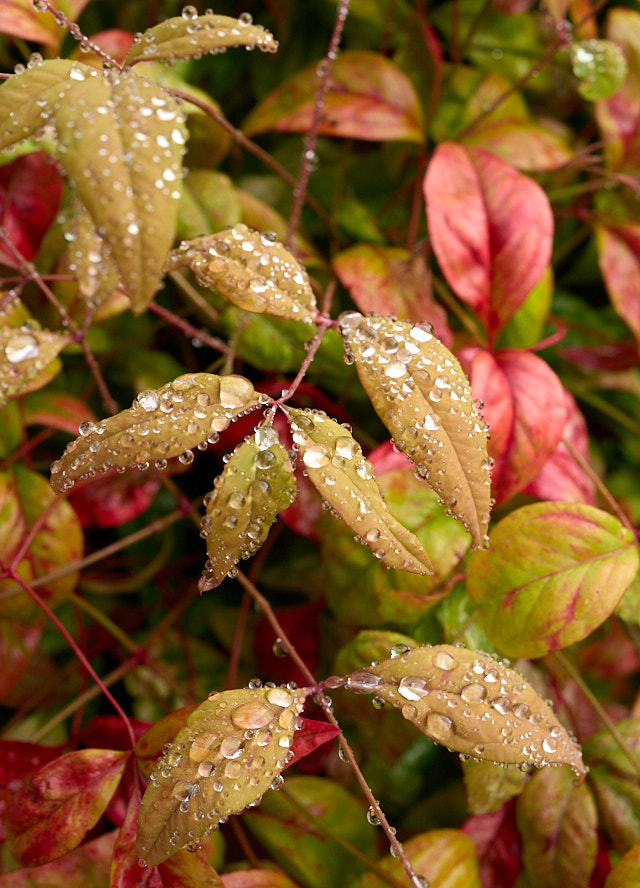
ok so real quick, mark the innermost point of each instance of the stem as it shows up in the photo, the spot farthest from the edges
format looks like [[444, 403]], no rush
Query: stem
[[189, 330], [106, 622], [75, 31]]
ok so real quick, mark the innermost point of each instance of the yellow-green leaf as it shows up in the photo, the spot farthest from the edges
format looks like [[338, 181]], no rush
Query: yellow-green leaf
[[27, 359], [256, 484], [419, 391], [335, 465], [192, 35], [231, 750], [160, 424], [92, 264], [250, 269], [31, 99], [472, 704]]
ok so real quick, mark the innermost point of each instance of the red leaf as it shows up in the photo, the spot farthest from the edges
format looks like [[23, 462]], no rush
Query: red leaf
[[619, 260], [299, 622], [18, 644], [311, 736], [188, 870], [562, 477], [114, 42], [385, 458], [56, 410], [498, 846], [30, 192], [125, 870], [86, 866], [64, 800], [604, 356], [491, 229], [524, 404], [114, 500]]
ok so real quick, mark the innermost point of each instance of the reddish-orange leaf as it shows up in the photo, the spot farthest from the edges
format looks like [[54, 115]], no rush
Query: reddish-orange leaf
[[87, 866], [19, 18]]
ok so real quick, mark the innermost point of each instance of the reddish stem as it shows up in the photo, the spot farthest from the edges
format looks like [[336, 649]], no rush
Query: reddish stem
[[189, 330]]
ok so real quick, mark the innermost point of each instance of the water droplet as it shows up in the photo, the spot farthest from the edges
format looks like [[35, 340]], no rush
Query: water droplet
[[399, 649], [232, 746], [413, 687], [266, 437], [346, 447], [189, 12], [444, 660], [21, 347], [266, 459], [473, 693], [440, 726], [277, 783], [205, 769], [186, 458], [316, 457], [363, 682], [372, 817], [185, 790], [251, 716]]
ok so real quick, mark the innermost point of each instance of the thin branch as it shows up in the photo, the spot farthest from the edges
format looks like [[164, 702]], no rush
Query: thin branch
[[189, 330]]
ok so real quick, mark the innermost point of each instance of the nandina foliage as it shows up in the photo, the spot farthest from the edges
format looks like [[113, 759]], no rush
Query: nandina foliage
[[362, 310]]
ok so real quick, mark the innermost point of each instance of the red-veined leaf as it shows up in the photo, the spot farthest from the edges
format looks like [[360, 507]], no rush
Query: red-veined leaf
[[497, 842], [87, 866], [618, 116], [311, 736]]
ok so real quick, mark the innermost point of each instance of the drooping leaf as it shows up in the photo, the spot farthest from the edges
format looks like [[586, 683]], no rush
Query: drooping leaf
[[160, 424], [472, 704], [491, 229], [336, 467], [251, 270], [256, 484], [231, 750], [418, 389], [87, 866], [557, 821], [192, 35], [90, 260], [600, 66], [25, 497], [555, 572], [30, 192], [27, 359], [618, 257], [368, 97], [63, 801]]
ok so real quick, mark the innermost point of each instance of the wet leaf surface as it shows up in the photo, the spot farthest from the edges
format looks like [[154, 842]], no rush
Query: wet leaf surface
[[335, 465], [419, 391], [231, 750], [160, 424], [554, 573], [27, 359], [472, 704]]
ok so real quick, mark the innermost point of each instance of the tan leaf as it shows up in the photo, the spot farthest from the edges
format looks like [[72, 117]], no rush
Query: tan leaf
[[160, 424], [231, 750], [250, 269], [91, 261], [335, 465], [27, 358], [419, 391], [192, 35], [472, 704], [30, 100], [256, 484]]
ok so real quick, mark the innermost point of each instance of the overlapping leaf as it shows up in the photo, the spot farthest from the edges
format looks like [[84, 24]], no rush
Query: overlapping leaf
[[256, 484], [555, 572], [233, 747], [159, 424], [418, 389], [27, 358], [250, 269], [335, 465], [62, 803], [472, 704], [88, 866], [191, 35], [120, 143]]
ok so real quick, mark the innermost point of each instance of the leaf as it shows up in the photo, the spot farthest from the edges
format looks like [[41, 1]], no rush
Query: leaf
[[472, 704], [390, 280], [256, 484], [488, 786], [149, 747], [125, 870], [525, 408], [491, 229], [30, 192], [618, 252], [446, 857], [87, 866], [64, 800], [209, 203], [26, 500], [19, 19], [368, 97], [265, 878], [90, 261], [188, 870], [312, 735], [600, 66], [192, 35], [555, 572], [626, 872], [497, 844], [128, 190], [27, 359], [618, 801], [112, 501], [526, 327], [314, 859], [557, 821], [251, 270], [56, 410], [528, 146], [10, 429], [335, 465], [617, 116], [160, 424], [18, 644], [419, 391], [224, 770]]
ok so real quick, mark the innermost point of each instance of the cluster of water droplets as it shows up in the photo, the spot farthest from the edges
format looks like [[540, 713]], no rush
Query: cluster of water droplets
[[420, 392], [256, 483], [191, 35], [236, 750], [26, 351], [161, 423], [252, 270]]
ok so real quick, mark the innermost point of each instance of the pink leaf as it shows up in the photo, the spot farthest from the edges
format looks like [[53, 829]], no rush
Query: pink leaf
[[114, 500], [491, 229], [619, 259]]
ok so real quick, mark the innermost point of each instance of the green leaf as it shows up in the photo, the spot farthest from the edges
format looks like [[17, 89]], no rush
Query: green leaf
[[472, 704], [557, 821], [25, 98], [27, 359], [160, 424], [555, 572], [10, 429], [489, 786], [192, 35], [256, 484], [419, 391], [626, 872], [251, 270], [231, 750], [209, 202], [526, 326], [600, 66], [27, 499], [336, 467]]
